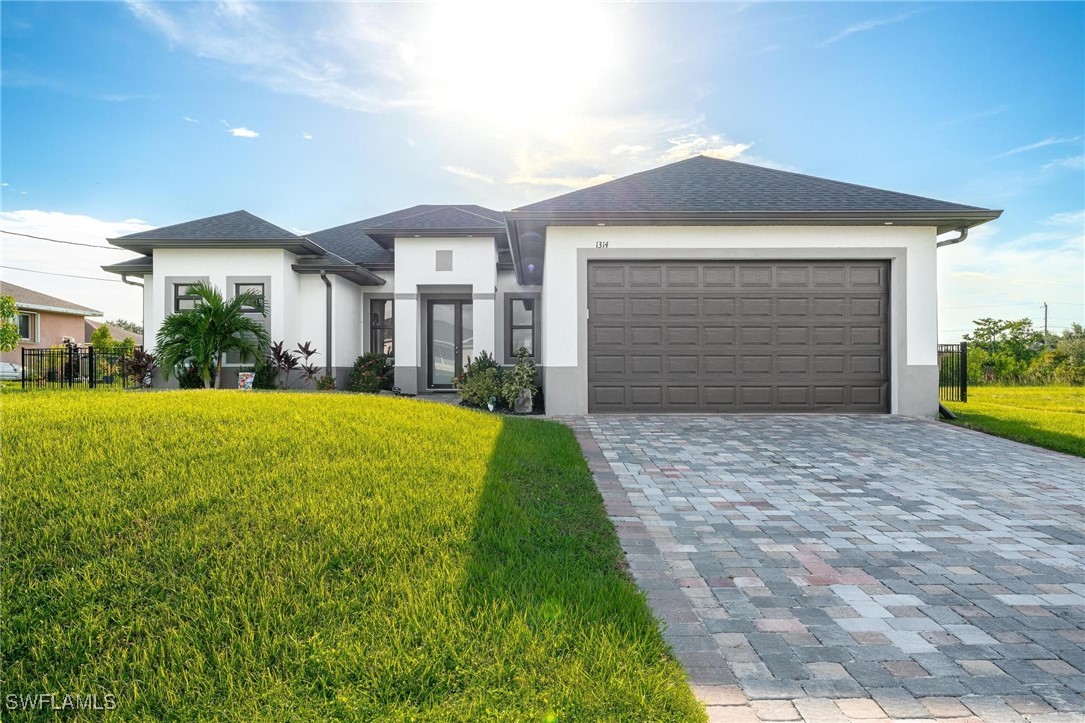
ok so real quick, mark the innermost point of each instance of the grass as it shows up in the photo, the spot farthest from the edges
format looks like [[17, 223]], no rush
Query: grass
[[247, 556], [1050, 417]]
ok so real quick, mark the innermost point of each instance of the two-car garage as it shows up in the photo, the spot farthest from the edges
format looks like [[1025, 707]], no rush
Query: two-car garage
[[738, 336]]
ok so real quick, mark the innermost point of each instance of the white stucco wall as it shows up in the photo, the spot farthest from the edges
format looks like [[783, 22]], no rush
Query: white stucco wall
[[564, 304], [346, 321], [216, 265]]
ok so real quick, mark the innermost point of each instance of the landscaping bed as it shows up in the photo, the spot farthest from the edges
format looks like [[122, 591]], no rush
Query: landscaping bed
[[229, 555]]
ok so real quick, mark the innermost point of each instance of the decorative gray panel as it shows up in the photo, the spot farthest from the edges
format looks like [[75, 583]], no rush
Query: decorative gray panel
[[794, 336]]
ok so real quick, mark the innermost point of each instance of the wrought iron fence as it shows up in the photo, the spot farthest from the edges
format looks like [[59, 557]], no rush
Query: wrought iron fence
[[953, 372], [74, 366]]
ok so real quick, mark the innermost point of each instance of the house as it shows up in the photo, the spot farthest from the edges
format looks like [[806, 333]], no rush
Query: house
[[702, 286], [116, 332], [44, 320]]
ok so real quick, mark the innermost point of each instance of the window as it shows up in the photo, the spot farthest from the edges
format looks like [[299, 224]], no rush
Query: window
[[181, 298], [257, 289], [381, 326], [520, 325], [26, 326]]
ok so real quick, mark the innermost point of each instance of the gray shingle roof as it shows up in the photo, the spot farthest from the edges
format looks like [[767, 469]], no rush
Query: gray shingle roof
[[351, 242], [140, 262], [710, 185], [233, 226], [35, 300], [441, 218]]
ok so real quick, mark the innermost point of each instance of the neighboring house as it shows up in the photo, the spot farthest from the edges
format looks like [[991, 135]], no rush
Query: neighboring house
[[116, 332], [44, 320], [704, 285]]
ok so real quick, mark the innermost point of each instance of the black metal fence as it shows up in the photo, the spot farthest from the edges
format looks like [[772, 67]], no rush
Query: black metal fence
[[72, 367], [953, 372]]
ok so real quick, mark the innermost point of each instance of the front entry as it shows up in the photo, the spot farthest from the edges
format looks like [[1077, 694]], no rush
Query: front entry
[[451, 341]]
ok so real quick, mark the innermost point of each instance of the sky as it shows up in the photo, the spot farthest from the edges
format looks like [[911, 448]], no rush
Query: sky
[[115, 117]]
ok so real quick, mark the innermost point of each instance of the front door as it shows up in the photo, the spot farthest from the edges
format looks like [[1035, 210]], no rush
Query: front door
[[450, 341]]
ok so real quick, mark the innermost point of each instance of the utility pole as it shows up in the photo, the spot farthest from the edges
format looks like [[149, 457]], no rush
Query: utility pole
[[1046, 344]]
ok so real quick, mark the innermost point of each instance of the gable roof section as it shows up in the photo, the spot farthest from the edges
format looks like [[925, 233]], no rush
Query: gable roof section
[[116, 332], [237, 229], [703, 188], [138, 265], [431, 220], [30, 300], [351, 242]]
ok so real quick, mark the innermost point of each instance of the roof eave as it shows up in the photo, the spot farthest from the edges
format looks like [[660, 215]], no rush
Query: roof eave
[[147, 246], [56, 309], [352, 272], [947, 220]]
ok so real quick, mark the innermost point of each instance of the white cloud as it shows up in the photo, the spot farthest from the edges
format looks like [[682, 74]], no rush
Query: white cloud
[[693, 144], [113, 299], [1069, 218], [1071, 163], [189, 120], [865, 25], [1050, 141], [243, 132], [468, 173], [987, 276], [624, 149], [307, 136], [571, 182]]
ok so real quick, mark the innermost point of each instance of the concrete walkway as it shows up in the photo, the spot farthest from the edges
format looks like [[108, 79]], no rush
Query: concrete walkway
[[853, 568]]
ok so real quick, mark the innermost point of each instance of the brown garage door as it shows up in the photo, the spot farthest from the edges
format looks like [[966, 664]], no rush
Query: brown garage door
[[738, 336]]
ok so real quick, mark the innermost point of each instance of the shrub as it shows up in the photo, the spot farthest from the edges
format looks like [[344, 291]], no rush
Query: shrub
[[326, 383], [480, 381], [189, 377], [138, 367], [264, 371], [519, 378], [371, 373]]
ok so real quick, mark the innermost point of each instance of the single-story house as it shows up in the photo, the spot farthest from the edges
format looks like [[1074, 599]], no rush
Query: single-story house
[[116, 332], [700, 286], [44, 320]]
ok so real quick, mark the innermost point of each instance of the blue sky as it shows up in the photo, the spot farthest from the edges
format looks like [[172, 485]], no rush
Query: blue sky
[[116, 116]]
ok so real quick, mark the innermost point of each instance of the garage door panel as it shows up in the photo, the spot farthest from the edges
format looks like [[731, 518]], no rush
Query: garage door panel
[[738, 336]]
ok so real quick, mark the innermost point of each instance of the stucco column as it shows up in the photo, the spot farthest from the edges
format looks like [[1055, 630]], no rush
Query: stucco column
[[408, 343], [482, 317]]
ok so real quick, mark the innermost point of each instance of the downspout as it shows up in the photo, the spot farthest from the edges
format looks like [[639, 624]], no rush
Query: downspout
[[328, 322], [950, 241], [142, 306], [124, 278]]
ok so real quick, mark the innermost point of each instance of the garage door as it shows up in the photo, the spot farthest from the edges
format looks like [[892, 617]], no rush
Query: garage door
[[738, 336]]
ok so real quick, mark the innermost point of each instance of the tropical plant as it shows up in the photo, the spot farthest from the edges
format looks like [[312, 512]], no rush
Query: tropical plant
[[285, 361], [264, 371], [309, 373], [203, 335], [521, 377], [326, 383], [479, 384], [189, 377], [371, 373], [138, 367], [9, 325]]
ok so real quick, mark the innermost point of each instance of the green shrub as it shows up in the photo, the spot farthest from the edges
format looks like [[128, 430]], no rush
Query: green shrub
[[371, 373], [480, 383], [326, 383], [520, 377], [264, 371], [189, 377]]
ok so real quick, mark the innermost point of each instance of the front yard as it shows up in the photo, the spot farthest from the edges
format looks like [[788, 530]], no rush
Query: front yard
[[223, 555], [1051, 417]]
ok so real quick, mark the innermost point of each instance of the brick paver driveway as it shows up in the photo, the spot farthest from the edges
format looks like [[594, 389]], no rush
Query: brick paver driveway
[[835, 568]]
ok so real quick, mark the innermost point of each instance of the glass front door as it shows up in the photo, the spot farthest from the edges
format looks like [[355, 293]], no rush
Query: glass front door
[[450, 341]]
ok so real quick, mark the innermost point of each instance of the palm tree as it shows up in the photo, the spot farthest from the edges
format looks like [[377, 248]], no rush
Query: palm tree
[[205, 333]]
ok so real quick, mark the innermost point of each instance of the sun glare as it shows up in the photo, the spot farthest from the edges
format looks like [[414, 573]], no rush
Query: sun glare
[[516, 61]]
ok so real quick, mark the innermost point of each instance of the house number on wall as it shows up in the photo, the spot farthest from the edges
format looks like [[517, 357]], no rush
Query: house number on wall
[[602, 244]]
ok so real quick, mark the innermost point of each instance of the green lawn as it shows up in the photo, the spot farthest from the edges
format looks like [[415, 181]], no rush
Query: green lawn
[[245, 556], [1051, 417]]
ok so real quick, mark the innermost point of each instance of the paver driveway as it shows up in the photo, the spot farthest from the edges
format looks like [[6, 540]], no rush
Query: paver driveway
[[848, 568]]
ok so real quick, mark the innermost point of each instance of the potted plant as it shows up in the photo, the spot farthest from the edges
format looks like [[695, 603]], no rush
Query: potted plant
[[518, 384]]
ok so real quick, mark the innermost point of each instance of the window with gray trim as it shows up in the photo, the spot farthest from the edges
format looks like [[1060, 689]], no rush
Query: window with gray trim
[[521, 325], [27, 326], [257, 289], [382, 327], [181, 298]]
